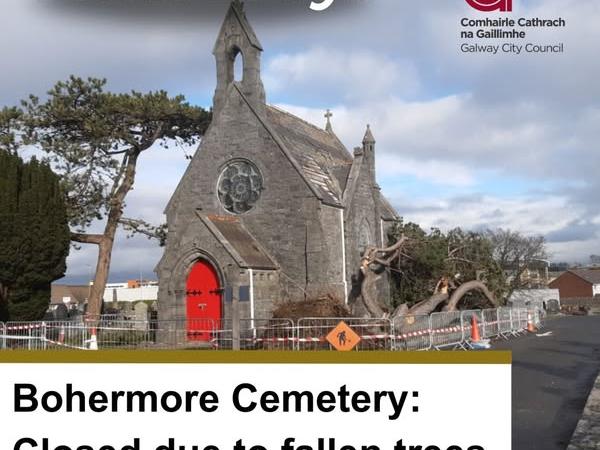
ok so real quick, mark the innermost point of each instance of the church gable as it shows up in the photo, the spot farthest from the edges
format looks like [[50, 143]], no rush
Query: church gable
[[239, 133], [234, 24], [237, 40]]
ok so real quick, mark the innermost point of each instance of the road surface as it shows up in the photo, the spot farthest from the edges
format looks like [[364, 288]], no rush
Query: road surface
[[552, 377]]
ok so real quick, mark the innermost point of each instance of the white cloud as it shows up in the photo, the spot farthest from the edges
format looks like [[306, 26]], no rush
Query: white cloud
[[430, 171], [458, 131], [438, 115], [529, 215], [352, 75]]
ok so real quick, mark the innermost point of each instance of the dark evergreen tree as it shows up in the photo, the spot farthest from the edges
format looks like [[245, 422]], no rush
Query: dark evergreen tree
[[34, 236]]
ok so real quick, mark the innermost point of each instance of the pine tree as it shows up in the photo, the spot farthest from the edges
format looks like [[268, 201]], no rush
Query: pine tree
[[94, 140]]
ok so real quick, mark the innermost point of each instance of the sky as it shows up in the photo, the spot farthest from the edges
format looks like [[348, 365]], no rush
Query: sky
[[471, 140]]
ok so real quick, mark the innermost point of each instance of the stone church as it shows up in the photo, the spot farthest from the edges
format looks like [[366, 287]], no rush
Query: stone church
[[271, 207]]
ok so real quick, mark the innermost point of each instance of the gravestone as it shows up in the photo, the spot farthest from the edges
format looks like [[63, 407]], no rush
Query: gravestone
[[127, 311], [61, 313], [115, 299], [141, 315], [552, 307]]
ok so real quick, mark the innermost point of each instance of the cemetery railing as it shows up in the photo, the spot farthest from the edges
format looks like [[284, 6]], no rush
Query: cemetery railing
[[443, 330]]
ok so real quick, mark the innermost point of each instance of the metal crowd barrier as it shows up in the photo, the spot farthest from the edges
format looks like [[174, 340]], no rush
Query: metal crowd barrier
[[446, 330], [504, 322], [183, 333], [519, 321], [2, 336], [412, 333], [437, 331], [491, 325], [24, 335], [258, 334]]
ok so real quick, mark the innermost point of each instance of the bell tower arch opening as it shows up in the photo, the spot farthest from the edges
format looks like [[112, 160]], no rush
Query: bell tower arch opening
[[237, 53], [237, 65]]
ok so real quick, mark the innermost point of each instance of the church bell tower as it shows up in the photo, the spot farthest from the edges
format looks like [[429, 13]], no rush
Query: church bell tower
[[237, 40]]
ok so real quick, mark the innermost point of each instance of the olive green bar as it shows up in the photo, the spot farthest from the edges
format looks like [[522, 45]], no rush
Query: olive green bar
[[253, 357]]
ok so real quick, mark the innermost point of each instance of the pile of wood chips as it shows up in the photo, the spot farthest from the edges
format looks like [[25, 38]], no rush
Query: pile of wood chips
[[324, 306]]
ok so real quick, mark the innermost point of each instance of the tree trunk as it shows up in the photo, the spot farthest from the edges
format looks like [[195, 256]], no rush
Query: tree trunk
[[429, 305], [100, 278], [3, 293], [3, 302], [106, 240], [368, 288], [464, 289], [368, 291]]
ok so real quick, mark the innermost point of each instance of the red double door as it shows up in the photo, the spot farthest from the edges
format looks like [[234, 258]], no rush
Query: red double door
[[203, 301]]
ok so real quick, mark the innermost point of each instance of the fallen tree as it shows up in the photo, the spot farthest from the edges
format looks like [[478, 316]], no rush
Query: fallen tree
[[462, 252]]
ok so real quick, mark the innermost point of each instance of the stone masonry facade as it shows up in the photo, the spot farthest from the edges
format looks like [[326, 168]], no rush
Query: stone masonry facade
[[308, 206]]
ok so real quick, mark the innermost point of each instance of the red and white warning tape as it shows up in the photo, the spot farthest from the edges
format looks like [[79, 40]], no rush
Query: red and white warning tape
[[31, 326], [62, 344]]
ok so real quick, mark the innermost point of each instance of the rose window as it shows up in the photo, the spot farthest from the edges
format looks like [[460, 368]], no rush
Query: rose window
[[240, 186]]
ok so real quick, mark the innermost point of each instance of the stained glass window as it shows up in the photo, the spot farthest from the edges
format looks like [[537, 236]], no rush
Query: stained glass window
[[240, 186]]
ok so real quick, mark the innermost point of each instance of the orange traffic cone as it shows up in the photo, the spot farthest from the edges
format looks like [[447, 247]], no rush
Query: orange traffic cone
[[474, 329], [530, 326]]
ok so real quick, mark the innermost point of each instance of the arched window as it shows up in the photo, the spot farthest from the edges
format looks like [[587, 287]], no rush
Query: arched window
[[238, 65]]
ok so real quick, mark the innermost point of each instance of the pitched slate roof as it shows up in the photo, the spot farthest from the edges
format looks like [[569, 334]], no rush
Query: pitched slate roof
[[322, 157], [589, 275], [325, 162], [240, 244]]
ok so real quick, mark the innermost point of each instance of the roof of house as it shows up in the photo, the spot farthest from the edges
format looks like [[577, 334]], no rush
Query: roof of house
[[589, 275], [77, 294]]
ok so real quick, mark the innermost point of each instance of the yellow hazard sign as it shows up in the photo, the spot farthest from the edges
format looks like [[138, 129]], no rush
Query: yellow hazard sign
[[343, 338]]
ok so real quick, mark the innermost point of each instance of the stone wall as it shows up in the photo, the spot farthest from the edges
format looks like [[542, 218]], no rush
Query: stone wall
[[581, 301], [301, 235]]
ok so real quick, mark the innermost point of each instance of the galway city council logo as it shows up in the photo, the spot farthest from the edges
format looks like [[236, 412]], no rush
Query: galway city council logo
[[491, 5]]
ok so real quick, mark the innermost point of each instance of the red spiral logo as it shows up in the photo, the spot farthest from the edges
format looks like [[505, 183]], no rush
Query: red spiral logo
[[491, 5]]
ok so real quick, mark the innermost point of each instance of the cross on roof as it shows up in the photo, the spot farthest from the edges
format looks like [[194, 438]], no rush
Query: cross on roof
[[328, 116]]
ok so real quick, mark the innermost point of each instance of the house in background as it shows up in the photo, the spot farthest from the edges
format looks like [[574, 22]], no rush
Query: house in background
[[131, 291], [578, 283], [76, 296], [70, 296]]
